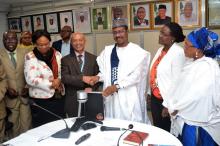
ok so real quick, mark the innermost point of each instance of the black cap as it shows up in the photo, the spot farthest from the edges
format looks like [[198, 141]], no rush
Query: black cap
[[162, 7]]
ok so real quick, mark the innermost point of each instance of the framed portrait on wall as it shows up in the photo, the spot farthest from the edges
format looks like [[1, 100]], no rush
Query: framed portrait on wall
[[162, 13], [120, 11], [66, 19], [100, 19], [26, 23], [212, 14], [140, 16], [14, 24], [188, 13], [81, 19], [52, 23], [38, 21]]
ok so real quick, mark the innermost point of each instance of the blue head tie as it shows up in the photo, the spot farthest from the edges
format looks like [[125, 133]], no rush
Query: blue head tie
[[205, 40]]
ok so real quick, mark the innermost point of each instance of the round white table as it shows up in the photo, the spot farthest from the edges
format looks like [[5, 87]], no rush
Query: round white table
[[156, 136]]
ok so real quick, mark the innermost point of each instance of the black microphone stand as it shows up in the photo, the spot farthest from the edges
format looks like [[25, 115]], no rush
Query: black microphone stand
[[130, 126], [64, 133]]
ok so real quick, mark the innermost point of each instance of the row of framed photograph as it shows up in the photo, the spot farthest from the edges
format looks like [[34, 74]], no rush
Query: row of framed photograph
[[140, 16]]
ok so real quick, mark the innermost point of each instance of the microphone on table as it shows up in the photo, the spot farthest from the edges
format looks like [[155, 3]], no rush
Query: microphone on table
[[106, 128], [64, 133]]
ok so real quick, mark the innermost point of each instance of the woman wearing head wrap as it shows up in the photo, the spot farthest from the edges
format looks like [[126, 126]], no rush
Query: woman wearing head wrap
[[194, 102]]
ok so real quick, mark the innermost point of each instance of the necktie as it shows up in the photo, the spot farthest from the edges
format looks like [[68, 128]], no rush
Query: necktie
[[80, 62], [13, 59]]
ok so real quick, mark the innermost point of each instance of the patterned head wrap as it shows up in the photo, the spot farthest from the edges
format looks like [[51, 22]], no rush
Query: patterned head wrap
[[205, 40]]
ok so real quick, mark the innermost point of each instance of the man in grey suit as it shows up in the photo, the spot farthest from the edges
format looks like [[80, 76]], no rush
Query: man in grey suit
[[16, 98], [75, 71]]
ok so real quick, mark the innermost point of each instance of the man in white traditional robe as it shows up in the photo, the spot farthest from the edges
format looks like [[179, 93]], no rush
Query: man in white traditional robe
[[124, 83]]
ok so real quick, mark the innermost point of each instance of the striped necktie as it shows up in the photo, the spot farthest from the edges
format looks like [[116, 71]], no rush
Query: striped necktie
[[80, 61], [13, 59]]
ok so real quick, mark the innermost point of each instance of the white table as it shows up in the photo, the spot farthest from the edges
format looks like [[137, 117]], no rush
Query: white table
[[97, 138]]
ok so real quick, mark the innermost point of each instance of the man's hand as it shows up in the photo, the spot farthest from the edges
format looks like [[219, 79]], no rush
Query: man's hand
[[88, 90], [24, 92], [109, 90], [12, 93], [94, 80], [86, 79], [91, 80]]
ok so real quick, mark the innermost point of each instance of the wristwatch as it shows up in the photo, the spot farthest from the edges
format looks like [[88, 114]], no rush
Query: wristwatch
[[117, 86]]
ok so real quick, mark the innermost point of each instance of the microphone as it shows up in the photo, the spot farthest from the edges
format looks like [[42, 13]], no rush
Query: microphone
[[130, 126], [106, 128], [64, 133]]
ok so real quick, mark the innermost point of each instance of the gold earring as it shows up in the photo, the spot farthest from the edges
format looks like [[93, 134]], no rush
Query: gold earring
[[196, 56]]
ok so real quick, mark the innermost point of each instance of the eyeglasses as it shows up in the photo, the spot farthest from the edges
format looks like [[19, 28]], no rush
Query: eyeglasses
[[120, 32]]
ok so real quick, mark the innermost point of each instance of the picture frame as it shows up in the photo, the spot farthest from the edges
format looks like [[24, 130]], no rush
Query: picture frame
[[14, 24], [188, 13], [162, 13], [120, 11], [66, 19], [140, 12], [100, 19], [26, 23], [38, 22], [52, 23], [212, 14], [81, 19]]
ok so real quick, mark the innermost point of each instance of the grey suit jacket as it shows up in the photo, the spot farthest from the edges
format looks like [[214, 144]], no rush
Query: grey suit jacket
[[72, 78], [14, 76]]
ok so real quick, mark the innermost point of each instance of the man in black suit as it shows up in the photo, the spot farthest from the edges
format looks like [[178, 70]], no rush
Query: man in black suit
[[75, 71], [63, 45]]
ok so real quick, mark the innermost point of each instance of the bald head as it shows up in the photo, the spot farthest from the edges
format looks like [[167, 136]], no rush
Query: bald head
[[10, 40], [78, 42]]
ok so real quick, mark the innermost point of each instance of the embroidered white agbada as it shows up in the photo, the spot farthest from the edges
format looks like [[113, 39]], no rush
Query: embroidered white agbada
[[129, 102], [196, 96]]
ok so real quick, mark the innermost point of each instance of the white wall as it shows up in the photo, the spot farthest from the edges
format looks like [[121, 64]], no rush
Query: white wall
[[96, 42]]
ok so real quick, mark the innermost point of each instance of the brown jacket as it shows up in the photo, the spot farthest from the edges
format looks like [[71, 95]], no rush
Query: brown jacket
[[3, 87], [14, 76]]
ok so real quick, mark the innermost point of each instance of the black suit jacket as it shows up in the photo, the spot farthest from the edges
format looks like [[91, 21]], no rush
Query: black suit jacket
[[58, 44], [72, 78]]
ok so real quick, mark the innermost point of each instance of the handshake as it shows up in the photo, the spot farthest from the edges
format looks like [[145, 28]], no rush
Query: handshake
[[91, 80]]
